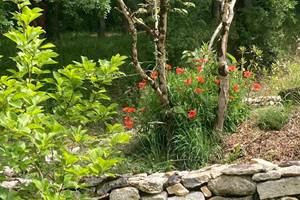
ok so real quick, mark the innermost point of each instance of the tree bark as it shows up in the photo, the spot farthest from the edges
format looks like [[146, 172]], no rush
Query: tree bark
[[227, 17], [161, 49]]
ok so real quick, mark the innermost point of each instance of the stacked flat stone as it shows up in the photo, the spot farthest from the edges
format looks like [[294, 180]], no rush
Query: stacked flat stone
[[263, 101], [259, 179]]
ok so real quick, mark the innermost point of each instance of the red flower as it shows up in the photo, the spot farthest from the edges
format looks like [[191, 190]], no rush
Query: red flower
[[142, 84], [256, 86], [236, 88], [218, 81], [247, 74], [168, 67], [154, 75], [200, 79], [179, 70], [128, 122], [200, 68], [129, 109], [198, 90], [192, 114], [188, 81], [232, 68]]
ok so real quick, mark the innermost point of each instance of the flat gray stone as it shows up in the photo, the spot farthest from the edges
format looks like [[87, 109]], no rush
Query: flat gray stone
[[161, 196], [195, 179], [177, 189], [231, 198], [232, 186], [270, 175], [290, 171], [266, 164], [150, 185], [217, 171], [127, 193], [190, 196], [279, 188], [244, 169]]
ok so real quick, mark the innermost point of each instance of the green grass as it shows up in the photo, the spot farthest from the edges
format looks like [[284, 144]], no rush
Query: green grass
[[272, 117]]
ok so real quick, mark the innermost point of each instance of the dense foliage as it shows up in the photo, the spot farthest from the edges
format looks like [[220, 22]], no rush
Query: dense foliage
[[47, 117]]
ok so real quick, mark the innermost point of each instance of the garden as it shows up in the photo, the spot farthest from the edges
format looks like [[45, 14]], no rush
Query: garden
[[95, 89]]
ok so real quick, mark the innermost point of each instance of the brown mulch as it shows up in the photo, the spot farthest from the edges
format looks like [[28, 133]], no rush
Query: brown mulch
[[283, 145]]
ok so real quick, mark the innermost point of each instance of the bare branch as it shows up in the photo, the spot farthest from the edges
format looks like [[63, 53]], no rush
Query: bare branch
[[213, 37], [133, 32]]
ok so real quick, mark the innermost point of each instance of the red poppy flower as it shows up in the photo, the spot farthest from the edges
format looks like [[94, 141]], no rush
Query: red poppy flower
[[236, 88], [218, 81], [168, 67], [188, 81], [142, 84], [232, 68], [179, 70], [200, 68], [128, 122], [192, 114], [129, 109], [256, 86], [198, 90], [154, 75], [247, 74], [200, 79]]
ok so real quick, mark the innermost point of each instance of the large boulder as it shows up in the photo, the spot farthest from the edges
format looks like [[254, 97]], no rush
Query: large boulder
[[232, 186]]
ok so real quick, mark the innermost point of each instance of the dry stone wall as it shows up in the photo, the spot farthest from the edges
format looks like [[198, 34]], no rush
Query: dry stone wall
[[259, 179]]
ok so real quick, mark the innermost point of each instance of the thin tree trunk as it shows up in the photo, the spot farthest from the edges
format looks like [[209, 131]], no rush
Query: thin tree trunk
[[161, 48], [227, 17]]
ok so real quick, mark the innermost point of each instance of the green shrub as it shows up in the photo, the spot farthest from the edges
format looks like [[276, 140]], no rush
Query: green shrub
[[45, 117], [272, 118]]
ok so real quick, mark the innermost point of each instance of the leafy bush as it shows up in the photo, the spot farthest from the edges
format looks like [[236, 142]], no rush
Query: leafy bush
[[184, 132], [45, 117], [272, 118]]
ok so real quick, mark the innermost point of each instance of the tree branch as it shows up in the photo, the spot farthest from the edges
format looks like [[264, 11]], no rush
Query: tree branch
[[133, 32]]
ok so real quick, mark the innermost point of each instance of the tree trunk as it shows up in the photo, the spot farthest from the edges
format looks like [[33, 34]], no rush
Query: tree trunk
[[161, 50], [227, 17]]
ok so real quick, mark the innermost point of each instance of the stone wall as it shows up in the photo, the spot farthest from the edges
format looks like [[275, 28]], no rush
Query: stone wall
[[257, 180]]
